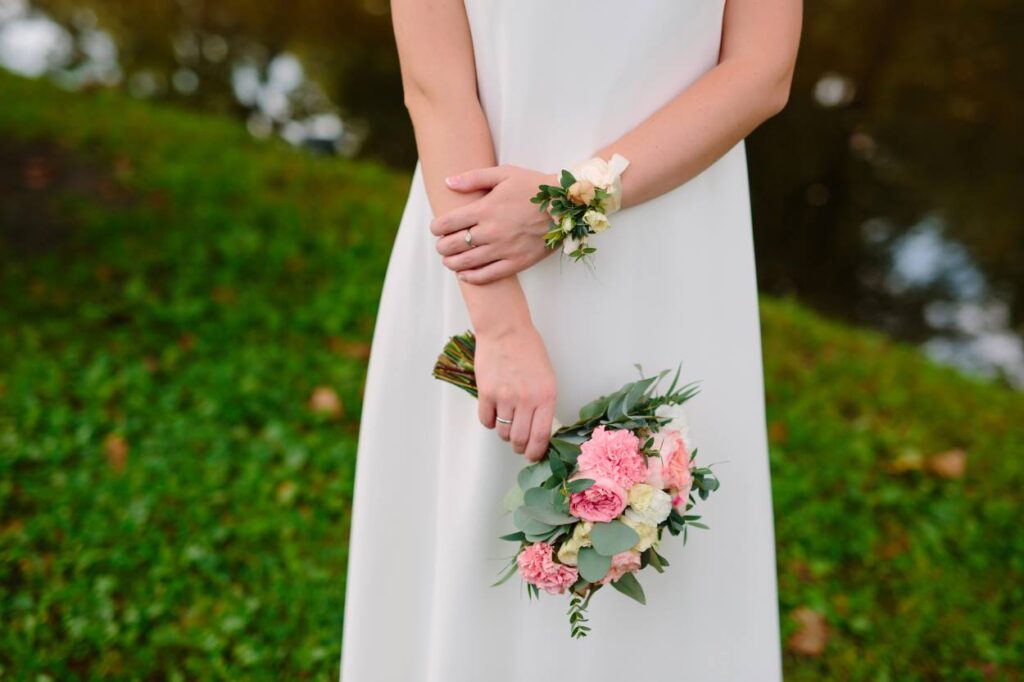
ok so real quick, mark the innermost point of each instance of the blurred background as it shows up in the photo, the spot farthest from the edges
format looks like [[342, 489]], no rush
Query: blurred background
[[197, 199]]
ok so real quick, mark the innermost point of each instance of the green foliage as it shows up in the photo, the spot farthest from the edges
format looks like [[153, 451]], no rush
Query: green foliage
[[170, 507]]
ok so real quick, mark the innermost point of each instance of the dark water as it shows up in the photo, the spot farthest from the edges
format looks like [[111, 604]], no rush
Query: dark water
[[888, 192]]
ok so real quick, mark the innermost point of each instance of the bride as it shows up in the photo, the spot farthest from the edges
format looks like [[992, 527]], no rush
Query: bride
[[502, 96]]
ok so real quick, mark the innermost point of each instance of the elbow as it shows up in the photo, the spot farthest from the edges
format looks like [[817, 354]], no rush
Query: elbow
[[779, 89]]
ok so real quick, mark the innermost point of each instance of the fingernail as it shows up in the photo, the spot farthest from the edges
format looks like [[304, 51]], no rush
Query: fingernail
[[452, 180], [462, 277]]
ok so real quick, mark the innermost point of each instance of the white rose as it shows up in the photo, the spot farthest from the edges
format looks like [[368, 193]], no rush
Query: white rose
[[596, 171], [648, 504], [596, 220], [679, 422], [566, 223]]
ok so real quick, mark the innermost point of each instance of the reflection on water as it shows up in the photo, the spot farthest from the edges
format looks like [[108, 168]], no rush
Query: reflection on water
[[863, 191]]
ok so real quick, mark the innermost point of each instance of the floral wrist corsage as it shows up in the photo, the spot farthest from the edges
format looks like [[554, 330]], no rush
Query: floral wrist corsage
[[580, 206]]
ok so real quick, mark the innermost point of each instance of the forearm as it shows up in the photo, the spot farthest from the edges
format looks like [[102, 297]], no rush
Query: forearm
[[749, 84], [695, 129], [451, 136]]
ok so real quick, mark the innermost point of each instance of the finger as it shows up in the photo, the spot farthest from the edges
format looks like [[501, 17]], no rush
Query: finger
[[507, 413], [451, 244], [540, 432], [477, 179], [492, 272], [476, 257], [485, 410], [520, 434], [456, 219]]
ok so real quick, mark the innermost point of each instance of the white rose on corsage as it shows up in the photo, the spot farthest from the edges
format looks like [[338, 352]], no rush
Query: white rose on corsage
[[648, 504], [648, 532], [597, 221], [605, 175]]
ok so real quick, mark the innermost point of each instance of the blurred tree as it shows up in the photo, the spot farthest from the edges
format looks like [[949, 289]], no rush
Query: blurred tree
[[901, 112]]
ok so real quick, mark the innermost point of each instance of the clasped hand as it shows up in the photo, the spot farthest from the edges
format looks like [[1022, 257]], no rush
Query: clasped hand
[[507, 230]]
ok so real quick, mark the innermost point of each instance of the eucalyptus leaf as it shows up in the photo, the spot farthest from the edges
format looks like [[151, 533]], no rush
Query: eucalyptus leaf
[[613, 537], [547, 515], [529, 525], [539, 497], [592, 566], [533, 475], [513, 498], [579, 485], [630, 586]]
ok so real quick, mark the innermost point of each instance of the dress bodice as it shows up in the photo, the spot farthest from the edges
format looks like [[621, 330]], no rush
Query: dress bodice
[[559, 79]]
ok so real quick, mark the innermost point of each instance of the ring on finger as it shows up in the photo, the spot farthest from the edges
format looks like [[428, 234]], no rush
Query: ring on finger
[[502, 420], [469, 238]]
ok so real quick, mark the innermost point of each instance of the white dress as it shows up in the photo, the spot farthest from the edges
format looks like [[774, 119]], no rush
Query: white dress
[[673, 281]]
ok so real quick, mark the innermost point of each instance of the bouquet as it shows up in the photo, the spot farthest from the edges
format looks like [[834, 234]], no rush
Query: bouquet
[[594, 511], [580, 204]]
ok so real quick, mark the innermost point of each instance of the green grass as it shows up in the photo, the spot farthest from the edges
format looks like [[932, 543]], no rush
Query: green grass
[[171, 508]]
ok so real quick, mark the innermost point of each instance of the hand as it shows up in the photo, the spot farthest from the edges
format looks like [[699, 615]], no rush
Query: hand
[[508, 231], [515, 381]]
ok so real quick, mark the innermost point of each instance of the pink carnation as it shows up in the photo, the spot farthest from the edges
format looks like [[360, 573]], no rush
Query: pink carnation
[[538, 568], [612, 454], [622, 563], [601, 502]]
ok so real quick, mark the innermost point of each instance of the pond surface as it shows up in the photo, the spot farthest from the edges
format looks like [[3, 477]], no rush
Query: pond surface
[[886, 194]]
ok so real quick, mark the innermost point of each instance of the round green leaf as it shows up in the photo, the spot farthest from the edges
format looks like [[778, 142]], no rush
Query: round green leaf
[[613, 537]]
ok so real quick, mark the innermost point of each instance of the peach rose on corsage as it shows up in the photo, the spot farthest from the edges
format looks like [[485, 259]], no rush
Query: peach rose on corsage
[[601, 502], [581, 192], [622, 563], [539, 569]]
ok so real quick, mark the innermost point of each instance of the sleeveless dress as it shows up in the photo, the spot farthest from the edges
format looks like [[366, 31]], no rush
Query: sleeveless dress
[[673, 280]]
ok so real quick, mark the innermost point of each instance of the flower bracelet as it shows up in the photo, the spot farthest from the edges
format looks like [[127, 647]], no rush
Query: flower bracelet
[[580, 205]]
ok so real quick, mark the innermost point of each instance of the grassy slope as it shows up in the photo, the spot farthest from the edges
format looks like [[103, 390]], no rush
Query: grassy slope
[[170, 507]]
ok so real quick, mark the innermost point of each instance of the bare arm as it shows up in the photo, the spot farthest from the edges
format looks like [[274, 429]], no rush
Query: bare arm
[[514, 376], [749, 84]]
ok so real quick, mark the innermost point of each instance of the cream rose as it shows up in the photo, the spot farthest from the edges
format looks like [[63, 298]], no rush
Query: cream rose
[[649, 504], [596, 220], [568, 553], [648, 532]]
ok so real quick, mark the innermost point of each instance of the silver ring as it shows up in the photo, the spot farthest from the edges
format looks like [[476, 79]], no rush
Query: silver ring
[[469, 237], [502, 421]]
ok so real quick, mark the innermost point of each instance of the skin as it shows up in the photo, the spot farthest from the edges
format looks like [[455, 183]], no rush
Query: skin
[[514, 375], [750, 84]]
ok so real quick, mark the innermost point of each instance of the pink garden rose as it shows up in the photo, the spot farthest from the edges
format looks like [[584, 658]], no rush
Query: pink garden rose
[[538, 568], [601, 502], [672, 470], [622, 563], [612, 454]]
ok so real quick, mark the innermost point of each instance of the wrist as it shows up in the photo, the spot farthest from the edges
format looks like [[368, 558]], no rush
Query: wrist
[[502, 326]]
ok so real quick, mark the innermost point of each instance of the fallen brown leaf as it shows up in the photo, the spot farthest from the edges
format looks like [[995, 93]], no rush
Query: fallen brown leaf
[[950, 465], [357, 350], [777, 432], [116, 449], [811, 634], [325, 400]]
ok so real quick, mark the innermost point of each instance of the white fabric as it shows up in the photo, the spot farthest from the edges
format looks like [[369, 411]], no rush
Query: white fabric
[[673, 281]]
